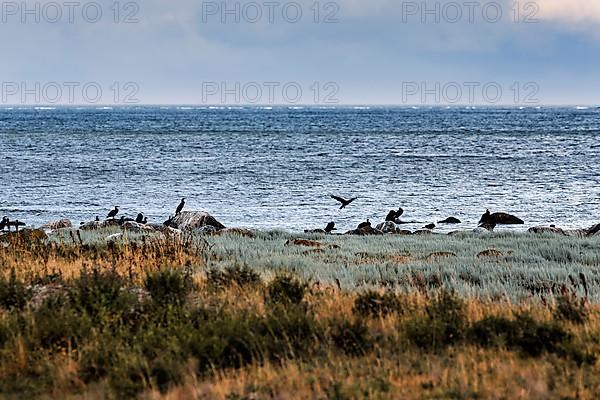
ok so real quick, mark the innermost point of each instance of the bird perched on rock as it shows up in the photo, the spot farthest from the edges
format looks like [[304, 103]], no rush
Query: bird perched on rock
[[330, 227], [113, 213], [363, 225], [180, 207], [344, 202]]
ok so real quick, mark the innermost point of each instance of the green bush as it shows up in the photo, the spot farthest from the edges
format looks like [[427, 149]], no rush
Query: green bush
[[352, 337], [570, 308], [233, 275], [168, 286], [530, 337], [443, 325], [101, 293], [374, 304], [285, 290], [13, 293], [291, 332]]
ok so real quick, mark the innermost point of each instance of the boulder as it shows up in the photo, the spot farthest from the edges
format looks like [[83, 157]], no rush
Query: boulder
[[387, 227], [546, 229], [490, 253], [440, 255], [423, 232], [55, 225], [205, 230], [322, 231], [450, 220], [236, 232], [193, 220], [26, 236], [137, 228], [365, 231], [114, 237], [93, 225], [579, 233]]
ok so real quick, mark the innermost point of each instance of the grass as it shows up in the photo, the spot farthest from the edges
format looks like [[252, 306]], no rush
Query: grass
[[238, 318]]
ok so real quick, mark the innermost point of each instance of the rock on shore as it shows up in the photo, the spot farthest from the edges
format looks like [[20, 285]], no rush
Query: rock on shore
[[194, 220], [56, 225]]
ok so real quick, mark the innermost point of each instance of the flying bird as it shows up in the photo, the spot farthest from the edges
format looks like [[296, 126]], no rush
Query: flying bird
[[180, 207], [113, 213], [344, 202]]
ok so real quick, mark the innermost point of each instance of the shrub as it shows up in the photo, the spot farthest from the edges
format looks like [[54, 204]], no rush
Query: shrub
[[168, 286], [529, 336], [13, 293], [352, 337], [372, 303], [100, 293], [57, 326], [233, 275], [443, 325], [285, 290], [570, 308], [290, 332]]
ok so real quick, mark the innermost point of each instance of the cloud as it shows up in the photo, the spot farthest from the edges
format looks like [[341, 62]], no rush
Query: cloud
[[569, 11]]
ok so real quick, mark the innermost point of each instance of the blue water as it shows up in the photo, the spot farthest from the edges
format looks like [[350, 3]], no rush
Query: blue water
[[274, 168]]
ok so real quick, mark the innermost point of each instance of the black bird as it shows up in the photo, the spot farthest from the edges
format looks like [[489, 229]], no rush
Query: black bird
[[3, 223], [140, 218], [499, 218], [15, 223], [145, 221], [113, 213], [97, 218], [593, 230], [394, 215], [364, 224], [344, 202], [429, 226], [168, 221], [330, 227], [180, 206]]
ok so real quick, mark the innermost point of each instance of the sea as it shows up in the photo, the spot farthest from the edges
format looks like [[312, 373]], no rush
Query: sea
[[276, 167]]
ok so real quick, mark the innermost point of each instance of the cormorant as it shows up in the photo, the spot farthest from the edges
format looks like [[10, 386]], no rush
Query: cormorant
[[499, 218], [330, 227], [113, 213], [3, 223], [394, 215], [97, 218], [343, 201], [364, 224], [180, 206], [140, 218]]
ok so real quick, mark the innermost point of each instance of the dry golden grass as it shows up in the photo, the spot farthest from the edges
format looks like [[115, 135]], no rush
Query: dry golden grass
[[394, 369]]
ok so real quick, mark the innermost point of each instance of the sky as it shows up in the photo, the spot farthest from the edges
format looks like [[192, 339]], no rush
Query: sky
[[303, 52]]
